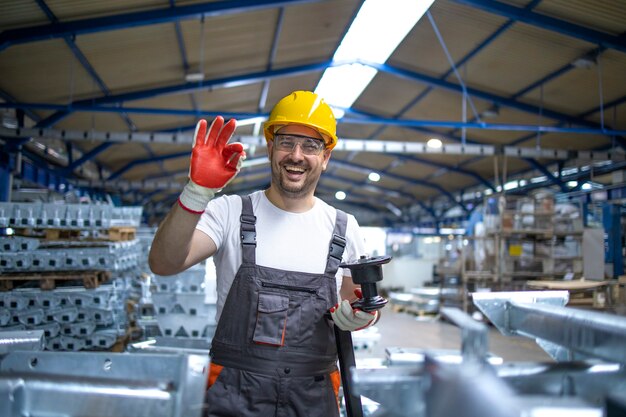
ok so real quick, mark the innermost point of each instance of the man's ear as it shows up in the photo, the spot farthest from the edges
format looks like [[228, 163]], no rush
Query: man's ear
[[327, 153], [270, 146]]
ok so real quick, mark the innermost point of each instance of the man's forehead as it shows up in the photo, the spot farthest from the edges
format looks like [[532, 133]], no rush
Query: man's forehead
[[300, 130]]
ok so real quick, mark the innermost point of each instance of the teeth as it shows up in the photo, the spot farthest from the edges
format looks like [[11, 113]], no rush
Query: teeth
[[292, 168]]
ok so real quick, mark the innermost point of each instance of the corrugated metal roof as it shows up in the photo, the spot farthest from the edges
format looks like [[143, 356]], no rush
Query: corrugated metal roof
[[134, 63]]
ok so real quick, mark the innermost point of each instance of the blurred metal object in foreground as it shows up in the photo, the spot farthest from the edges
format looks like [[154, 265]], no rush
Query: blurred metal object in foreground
[[588, 379], [102, 384]]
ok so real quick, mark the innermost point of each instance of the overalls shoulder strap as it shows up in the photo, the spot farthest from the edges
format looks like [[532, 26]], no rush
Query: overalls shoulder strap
[[337, 243], [248, 231]]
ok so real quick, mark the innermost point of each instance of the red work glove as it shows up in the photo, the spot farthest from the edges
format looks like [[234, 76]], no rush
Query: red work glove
[[352, 319], [214, 163]]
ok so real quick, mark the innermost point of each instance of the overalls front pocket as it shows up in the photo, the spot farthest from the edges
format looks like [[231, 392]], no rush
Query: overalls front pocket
[[271, 320]]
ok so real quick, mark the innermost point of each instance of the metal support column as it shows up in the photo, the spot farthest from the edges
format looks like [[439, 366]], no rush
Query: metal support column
[[611, 220], [7, 165]]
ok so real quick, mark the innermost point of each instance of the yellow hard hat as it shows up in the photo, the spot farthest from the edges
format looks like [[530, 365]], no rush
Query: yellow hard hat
[[303, 108]]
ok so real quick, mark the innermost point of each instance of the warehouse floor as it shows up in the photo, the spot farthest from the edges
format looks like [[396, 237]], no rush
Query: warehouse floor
[[408, 331]]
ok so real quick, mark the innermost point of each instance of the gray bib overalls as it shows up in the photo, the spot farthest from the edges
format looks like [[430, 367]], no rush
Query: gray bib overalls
[[276, 347]]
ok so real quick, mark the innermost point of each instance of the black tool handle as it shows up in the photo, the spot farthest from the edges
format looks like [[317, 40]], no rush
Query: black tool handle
[[345, 351]]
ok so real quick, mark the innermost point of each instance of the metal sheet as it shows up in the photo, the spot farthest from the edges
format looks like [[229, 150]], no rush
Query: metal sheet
[[21, 340]]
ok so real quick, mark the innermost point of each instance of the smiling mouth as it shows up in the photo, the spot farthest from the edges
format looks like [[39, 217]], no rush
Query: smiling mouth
[[294, 171]]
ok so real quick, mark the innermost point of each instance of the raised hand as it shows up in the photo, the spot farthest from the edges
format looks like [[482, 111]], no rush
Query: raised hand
[[214, 163]]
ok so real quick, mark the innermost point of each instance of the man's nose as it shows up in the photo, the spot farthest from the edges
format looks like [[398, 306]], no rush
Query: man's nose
[[297, 150]]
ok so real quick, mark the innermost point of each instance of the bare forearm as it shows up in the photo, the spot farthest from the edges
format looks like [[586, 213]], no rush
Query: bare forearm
[[171, 247]]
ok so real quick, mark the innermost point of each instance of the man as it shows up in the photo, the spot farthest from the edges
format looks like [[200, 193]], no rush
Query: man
[[277, 254]]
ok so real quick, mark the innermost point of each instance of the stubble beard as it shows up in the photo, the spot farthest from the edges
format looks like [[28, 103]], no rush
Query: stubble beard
[[290, 189]]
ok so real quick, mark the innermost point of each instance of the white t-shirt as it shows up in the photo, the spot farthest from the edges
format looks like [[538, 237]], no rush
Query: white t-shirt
[[285, 240]]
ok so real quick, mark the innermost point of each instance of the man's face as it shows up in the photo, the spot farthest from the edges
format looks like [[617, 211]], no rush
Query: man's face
[[294, 172]]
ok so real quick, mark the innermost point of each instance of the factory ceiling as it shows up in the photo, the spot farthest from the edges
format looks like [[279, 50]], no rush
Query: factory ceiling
[[105, 95]]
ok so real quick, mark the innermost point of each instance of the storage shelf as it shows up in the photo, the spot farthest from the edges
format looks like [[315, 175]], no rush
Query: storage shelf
[[531, 238]]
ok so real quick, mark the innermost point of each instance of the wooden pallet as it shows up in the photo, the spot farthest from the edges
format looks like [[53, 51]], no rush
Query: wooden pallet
[[61, 234], [114, 234], [50, 280], [411, 309], [132, 334], [50, 233], [119, 234]]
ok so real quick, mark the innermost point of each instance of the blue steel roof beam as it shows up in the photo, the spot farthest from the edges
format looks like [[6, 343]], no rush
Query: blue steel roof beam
[[402, 178], [429, 210], [355, 187], [135, 110], [579, 176], [69, 150], [433, 163], [554, 74], [186, 87], [484, 126], [87, 156], [183, 54], [504, 101], [356, 202], [371, 120], [144, 198], [610, 104], [242, 174], [272, 57], [69, 41], [620, 139], [541, 168], [460, 63], [358, 185], [153, 159], [136, 19], [549, 23], [137, 162], [448, 167], [11, 100], [257, 77], [325, 189]]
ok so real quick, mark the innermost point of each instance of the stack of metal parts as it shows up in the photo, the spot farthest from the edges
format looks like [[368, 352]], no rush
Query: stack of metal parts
[[419, 300], [64, 248], [588, 378], [67, 216], [21, 254], [104, 384], [177, 306], [71, 318]]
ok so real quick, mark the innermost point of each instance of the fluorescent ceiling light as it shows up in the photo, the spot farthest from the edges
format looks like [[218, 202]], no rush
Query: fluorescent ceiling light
[[194, 77], [374, 176], [340, 195], [510, 185], [377, 30], [572, 184], [252, 162], [434, 143], [341, 86], [586, 186], [250, 121]]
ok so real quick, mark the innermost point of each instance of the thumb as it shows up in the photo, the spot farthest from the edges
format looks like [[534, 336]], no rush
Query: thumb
[[232, 154]]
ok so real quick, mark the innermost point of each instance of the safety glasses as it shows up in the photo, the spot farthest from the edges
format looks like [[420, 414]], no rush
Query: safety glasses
[[309, 146]]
